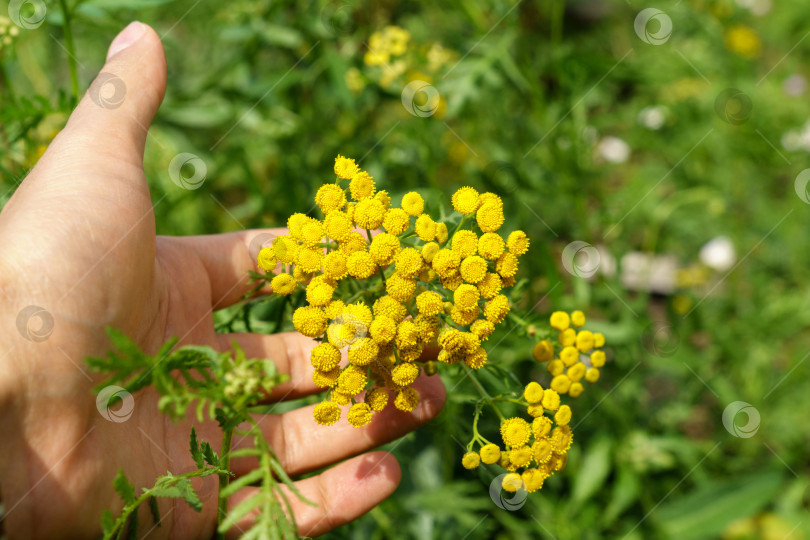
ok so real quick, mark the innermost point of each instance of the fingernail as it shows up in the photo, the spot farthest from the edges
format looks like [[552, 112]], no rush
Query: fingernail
[[127, 37]]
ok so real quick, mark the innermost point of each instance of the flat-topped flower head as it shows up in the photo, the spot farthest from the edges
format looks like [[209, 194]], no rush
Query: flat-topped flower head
[[345, 168]]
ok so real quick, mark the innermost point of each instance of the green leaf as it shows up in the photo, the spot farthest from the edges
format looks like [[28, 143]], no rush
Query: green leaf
[[241, 510], [626, 490], [153, 506], [235, 485], [707, 511], [177, 487], [196, 453], [124, 488], [593, 471], [107, 521]]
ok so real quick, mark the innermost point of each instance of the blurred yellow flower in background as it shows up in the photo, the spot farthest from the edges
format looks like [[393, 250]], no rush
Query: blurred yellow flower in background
[[744, 41]]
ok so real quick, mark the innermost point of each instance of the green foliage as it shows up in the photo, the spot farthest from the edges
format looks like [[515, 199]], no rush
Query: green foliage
[[226, 386], [166, 486]]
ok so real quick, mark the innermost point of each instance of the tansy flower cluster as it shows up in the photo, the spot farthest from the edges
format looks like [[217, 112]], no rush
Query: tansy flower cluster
[[382, 298], [533, 449], [575, 357]]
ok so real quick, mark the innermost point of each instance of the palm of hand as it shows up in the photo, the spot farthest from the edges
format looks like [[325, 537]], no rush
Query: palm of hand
[[79, 240]]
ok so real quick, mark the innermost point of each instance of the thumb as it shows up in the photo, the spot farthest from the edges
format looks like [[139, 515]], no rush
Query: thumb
[[115, 112]]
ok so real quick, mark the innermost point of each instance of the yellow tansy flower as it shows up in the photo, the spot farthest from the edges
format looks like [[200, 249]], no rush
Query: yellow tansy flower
[[563, 415], [470, 460], [491, 246], [543, 351], [310, 321], [496, 309], [473, 269], [490, 217], [377, 399], [407, 400], [369, 214], [584, 341], [267, 259], [533, 393], [326, 413], [400, 288], [383, 329], [413, 203], [567, 337], [345, 168], [490, 454], [361, 265], [506, 265], [465, 243], [446, 263], [337, 225], [517, 243], [429, 303], [359, 415], [384, 247], [362, 186], [330, 197], [334, 265], [465, 200], [325, 357], [396, 221], [425, 228], [283, 284], [441, 233], [408, 262], [515, 432]]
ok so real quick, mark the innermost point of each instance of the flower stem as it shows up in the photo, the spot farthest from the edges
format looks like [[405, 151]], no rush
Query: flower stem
[[482, 391], [71, 51], [224, 479]]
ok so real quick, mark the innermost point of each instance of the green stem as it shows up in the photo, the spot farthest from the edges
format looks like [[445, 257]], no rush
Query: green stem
[[224, 479], [482, 391], [71, 51], [458, 226]]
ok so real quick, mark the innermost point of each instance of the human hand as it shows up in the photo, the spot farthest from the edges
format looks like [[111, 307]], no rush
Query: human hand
[[78, 238]]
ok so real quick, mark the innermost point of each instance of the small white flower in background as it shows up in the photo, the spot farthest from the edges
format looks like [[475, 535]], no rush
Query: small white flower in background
[[648, 272], [757, 7], [795, 85], [653, 117], [590, 134], [718, 253], [797, 139], [613, 149]]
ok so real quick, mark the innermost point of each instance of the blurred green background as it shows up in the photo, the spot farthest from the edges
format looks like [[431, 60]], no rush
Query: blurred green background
[[597, 122]]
